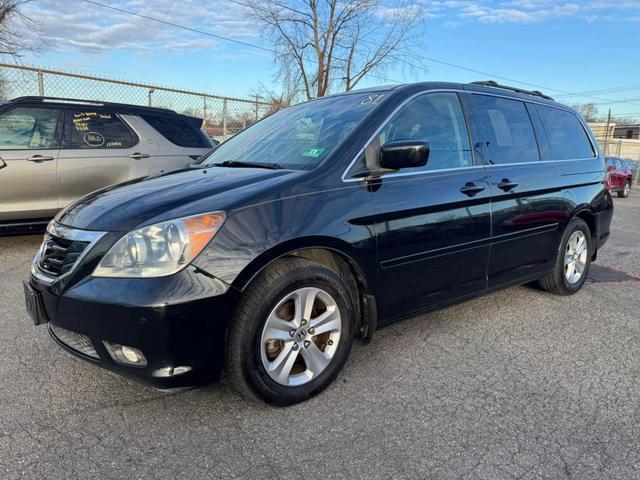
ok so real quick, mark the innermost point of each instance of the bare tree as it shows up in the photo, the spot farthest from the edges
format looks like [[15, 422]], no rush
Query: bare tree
[[11, 42], [588, 111], [591, 113], [327, 44], [278, 99]]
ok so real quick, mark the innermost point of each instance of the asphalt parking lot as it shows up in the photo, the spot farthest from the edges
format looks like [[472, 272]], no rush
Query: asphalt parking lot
[[517, 384]]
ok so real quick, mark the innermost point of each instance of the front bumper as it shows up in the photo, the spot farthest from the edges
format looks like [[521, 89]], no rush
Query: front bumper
[[178, 322]]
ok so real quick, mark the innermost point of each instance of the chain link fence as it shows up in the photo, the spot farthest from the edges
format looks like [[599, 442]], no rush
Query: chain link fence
[[223, 116]]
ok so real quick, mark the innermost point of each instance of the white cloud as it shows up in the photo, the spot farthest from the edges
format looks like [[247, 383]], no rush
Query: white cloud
[[529, 11], [93, 29]]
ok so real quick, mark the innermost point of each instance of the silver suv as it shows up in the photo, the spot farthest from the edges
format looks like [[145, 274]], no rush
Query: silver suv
[[53, 151]]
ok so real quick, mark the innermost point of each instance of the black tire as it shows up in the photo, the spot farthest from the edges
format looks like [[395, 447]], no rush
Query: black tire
[[626, 189], [556, 281], [244, 366]]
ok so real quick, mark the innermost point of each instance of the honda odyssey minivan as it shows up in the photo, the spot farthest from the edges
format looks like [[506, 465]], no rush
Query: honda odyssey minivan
[[318, 224]]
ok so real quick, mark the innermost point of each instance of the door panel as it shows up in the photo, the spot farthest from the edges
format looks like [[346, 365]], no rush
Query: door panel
[[433, 222], [28, 188], [535, 155], [29, 140], [527, 221], [433, 240], [100, 149]]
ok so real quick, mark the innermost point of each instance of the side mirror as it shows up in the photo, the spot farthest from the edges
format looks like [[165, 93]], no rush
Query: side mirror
[[404, 154], [611, 168]]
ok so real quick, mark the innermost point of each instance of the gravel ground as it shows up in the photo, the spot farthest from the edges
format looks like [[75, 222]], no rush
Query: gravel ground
[[516, 384]]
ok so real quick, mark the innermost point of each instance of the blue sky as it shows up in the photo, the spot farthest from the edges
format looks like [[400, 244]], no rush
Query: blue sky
[[565, 46]]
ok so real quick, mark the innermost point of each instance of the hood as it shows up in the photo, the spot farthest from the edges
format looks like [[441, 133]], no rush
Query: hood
[[126, 206]]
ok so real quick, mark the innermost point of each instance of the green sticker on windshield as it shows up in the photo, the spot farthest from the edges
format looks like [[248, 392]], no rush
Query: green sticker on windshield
[[313, 152]]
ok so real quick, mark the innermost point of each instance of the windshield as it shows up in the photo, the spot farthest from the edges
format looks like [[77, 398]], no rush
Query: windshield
[[299, 137]]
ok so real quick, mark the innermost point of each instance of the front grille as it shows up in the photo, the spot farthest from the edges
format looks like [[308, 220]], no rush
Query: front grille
[[59, 255], [75, 341]]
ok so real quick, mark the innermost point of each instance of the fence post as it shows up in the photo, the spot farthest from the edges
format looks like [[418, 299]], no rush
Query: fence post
[[40, 83], [256, 107], [204, 114], [224, 119]]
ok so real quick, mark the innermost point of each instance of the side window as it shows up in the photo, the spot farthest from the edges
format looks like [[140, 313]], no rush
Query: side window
[[90, 129], [506, 129], [436, 118], [28, 129], [178, 131], [567, 137]]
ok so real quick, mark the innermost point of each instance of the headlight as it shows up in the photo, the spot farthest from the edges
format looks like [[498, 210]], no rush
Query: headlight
[[161, 249]]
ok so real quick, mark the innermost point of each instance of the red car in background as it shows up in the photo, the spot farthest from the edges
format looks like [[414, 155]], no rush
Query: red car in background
[[619, 176]]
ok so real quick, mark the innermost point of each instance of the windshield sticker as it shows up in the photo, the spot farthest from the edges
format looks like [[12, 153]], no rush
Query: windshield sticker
[[313, 152]]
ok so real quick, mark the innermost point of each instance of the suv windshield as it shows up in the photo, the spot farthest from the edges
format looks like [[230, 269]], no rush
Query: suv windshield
[[299, 137]]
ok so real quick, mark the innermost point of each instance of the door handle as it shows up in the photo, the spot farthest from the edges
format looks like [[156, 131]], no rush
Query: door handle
[[507, 185], [40, 158], [138, 156], [470, 189]]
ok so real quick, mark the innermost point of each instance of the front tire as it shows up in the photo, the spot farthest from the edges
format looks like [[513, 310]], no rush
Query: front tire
[[291, 333], [626, 189], [572, 262]]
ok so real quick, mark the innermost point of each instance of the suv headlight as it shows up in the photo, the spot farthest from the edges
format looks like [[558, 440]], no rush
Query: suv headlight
[[161, 249]]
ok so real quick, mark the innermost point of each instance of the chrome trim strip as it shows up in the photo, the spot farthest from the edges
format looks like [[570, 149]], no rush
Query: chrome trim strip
[[454, 90], [58, 230], [67, 233]]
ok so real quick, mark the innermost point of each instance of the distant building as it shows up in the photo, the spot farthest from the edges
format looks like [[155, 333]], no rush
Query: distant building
[[628, 132], [617, 140]]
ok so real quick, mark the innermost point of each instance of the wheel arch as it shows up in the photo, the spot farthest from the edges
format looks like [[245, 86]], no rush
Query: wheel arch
[[589, 218], [335, 254]]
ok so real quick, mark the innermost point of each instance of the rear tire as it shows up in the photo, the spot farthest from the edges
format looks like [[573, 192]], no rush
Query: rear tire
[[626, 189], [572, 261], [276, 354]]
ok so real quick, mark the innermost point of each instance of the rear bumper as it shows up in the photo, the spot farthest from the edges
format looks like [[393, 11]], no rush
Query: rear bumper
[[179, 323]]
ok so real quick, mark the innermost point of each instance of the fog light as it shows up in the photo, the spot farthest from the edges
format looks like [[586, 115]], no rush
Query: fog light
[[130, 354], [126, 355]]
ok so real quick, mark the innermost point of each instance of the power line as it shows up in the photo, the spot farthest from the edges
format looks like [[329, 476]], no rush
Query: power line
[[623, 88], [195, 30], [415, 55], [480, 72]]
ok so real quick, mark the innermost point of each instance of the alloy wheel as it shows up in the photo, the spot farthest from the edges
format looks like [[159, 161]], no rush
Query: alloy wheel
[[301, 336], [575, 258]]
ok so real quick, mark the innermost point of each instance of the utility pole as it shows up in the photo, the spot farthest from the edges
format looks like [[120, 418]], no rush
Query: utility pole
[[606, 134]]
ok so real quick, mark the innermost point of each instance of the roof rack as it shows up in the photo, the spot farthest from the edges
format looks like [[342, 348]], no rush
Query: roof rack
[[494, 84], [78, 101]]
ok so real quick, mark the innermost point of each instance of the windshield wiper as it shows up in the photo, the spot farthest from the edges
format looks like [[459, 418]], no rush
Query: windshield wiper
[[236, 164]]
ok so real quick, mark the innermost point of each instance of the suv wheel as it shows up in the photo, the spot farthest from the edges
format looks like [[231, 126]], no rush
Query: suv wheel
[[291, 333], [572, 262], [626, 189]]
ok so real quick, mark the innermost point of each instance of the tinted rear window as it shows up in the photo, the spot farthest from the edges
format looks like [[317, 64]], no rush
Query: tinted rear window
[[567, 137], [507, 129], [178, 131]]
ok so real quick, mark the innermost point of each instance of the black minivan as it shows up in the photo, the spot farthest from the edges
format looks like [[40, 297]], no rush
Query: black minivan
[[318, 224]]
